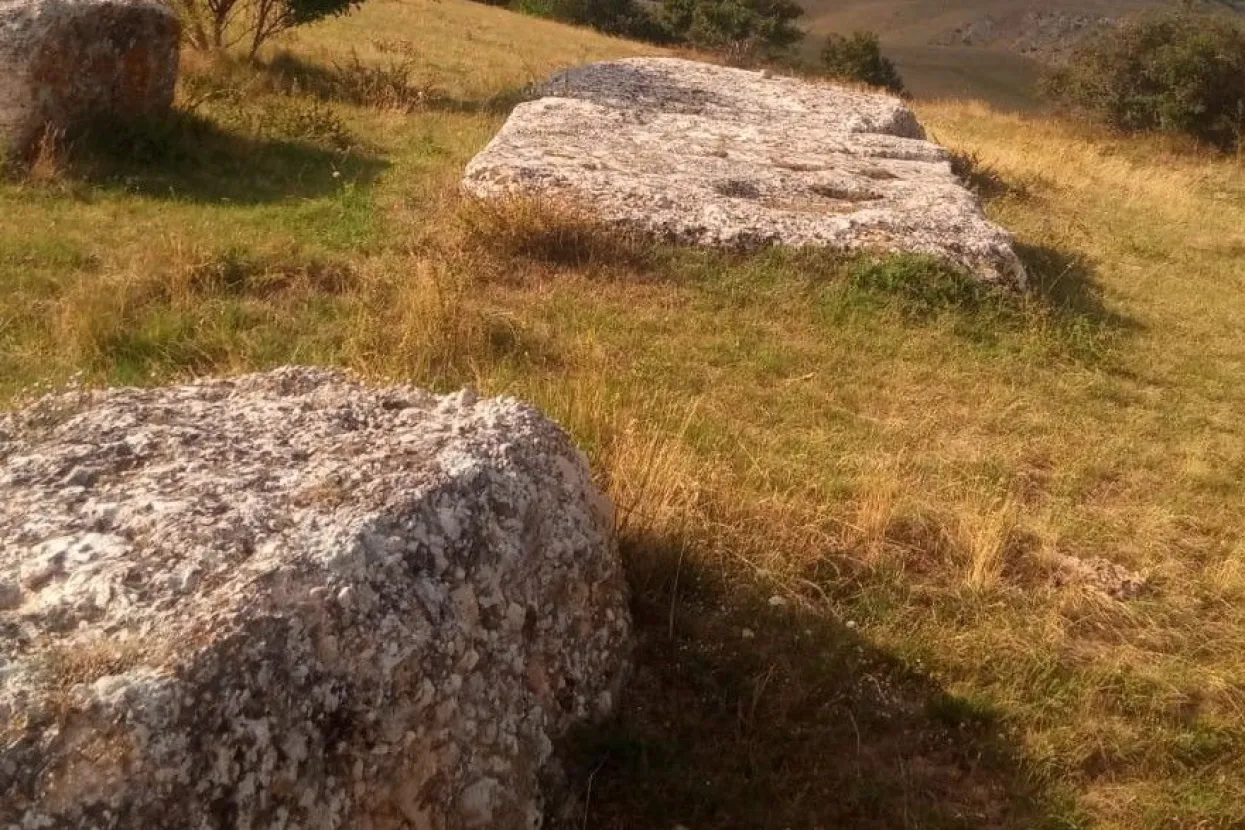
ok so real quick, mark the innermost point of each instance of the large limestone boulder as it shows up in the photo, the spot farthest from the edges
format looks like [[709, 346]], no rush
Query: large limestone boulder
[[288, 600], [63, 62], [706, 154]]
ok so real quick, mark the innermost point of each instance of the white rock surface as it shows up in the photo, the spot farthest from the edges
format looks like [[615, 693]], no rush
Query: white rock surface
[[289, 600], [705, 154], [65, 61]]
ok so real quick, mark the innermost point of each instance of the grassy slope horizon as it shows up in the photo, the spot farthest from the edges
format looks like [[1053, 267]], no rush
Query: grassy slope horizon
[[908, 30], [845, 487]]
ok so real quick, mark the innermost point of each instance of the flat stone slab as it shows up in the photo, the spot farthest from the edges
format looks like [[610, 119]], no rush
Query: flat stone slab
[[704, 154]]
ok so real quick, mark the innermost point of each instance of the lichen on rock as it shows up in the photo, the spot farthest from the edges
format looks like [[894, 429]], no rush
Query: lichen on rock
[[64, 63], [292, 600]]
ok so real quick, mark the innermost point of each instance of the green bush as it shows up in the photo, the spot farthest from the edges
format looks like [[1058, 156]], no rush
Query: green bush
[[742, 29], [1177, 72], [616, 17], [859, 58]]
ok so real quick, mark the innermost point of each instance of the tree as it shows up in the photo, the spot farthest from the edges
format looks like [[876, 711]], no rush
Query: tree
[[859, 58], [625, 18], [743, 29], [222, 24], [1178, 71]]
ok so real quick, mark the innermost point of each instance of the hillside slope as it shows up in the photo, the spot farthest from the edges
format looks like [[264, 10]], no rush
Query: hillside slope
[[987, 49], [903, 553]]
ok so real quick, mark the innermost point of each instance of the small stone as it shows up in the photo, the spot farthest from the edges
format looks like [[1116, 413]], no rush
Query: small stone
[[777, 601], [747, 633], [1109, 577]]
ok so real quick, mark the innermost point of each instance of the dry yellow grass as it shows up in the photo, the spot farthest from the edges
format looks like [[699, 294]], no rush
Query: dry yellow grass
[[474, 52], [877, 482]]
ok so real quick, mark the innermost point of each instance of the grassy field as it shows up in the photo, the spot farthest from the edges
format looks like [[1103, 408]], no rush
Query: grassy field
[[853, 495]]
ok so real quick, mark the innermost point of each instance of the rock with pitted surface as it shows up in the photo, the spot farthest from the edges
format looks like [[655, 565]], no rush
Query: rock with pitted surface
[[692, 152], [291, 600], [65, 62], [1047, 34]]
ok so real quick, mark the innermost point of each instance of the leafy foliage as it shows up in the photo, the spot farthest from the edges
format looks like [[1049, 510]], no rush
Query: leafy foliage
[[625, 18], [220, 24], [743, 29], [859, 58], [1178, 72]]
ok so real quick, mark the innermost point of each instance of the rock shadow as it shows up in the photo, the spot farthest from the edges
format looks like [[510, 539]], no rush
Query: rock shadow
[[743, 713], [1064, 280], [983, 180], [184, 156]]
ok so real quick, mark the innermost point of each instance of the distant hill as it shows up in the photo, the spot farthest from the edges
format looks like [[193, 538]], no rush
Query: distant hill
[[988, 49]]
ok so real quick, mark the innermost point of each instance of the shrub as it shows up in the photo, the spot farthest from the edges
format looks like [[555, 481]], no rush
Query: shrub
[[616, 17], [385, 86], [219, 24], [859, 58], [743, 29], [1178, 71]]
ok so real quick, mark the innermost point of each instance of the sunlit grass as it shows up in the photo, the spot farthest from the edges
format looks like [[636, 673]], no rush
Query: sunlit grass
[[874, 466]]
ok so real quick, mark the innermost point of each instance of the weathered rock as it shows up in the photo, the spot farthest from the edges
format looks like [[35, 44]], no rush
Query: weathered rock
[[1111, 578], [64, 62], [288, 600], [705, 154]]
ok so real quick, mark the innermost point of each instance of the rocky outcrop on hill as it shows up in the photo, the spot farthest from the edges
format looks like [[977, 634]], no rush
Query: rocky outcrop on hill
[[705, 154], [64, 62], [289, 600], [1046, 34]]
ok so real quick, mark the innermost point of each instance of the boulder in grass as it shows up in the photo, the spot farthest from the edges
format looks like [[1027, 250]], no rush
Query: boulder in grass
[[290, 600], [64, 63]]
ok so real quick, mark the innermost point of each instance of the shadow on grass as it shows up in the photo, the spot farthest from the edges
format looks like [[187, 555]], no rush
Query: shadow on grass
[[1062, 312], [798, 722], [387, 86], [983, 180], [1064, 281], [188, 157]]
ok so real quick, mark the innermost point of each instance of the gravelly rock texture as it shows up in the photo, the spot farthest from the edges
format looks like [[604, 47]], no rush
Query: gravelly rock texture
[[1111, 578], [705, 154], [289, 600], [65, 61]]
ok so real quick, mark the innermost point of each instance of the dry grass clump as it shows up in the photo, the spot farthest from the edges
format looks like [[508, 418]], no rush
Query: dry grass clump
[[389, 86], [83, 662], [557, 233]]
